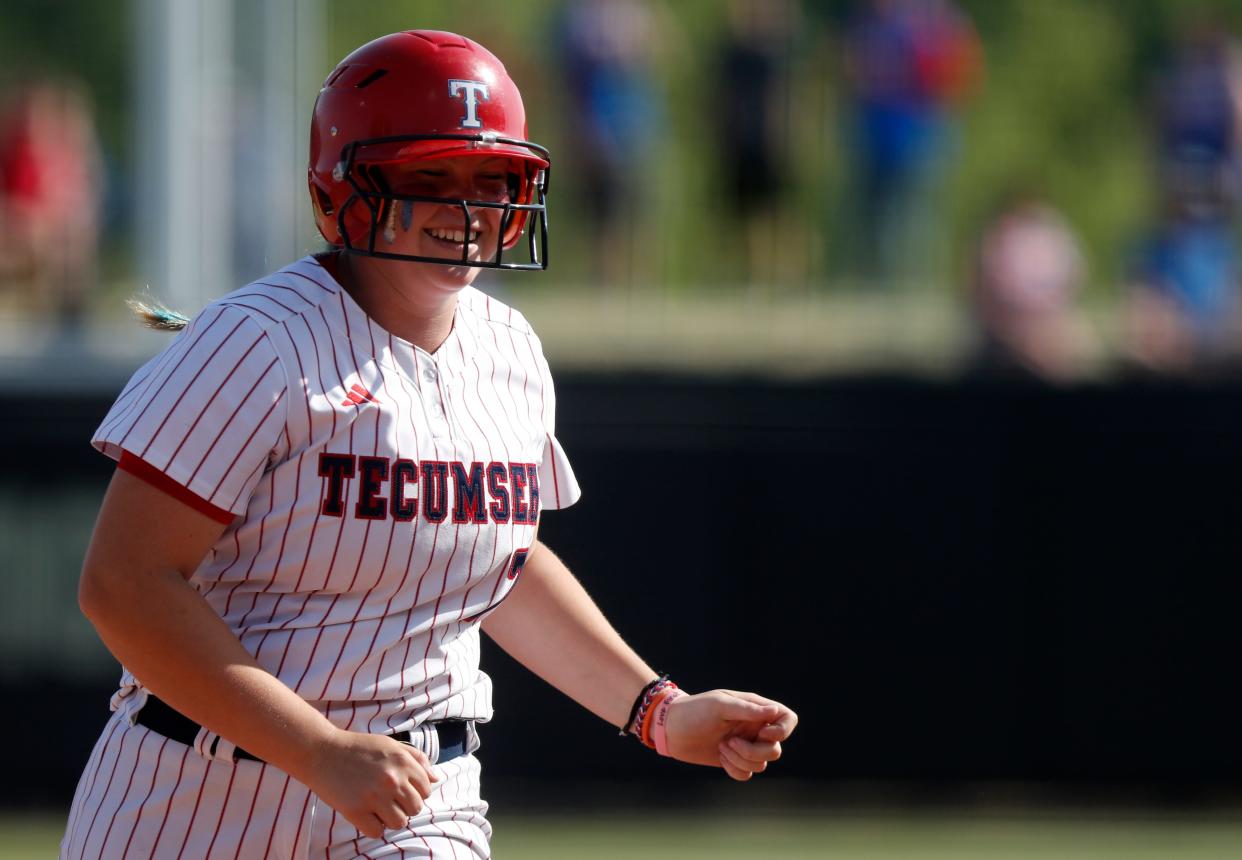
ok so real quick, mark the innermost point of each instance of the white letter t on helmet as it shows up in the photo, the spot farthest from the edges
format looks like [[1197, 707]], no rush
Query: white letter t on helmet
[[473, 89]]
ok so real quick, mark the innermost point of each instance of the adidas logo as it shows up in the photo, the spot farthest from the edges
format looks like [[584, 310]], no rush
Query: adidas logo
[[357, 395]]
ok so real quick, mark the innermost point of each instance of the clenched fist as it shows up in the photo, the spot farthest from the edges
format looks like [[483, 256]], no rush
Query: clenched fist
[[740, 732]]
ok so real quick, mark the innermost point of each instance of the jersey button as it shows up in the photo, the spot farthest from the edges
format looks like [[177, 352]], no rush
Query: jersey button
[[429, 375]]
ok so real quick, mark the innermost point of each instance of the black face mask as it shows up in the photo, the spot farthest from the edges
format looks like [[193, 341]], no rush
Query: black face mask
[[371, 191]]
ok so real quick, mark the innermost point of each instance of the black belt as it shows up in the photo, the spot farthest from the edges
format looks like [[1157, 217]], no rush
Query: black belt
[[159, 717]]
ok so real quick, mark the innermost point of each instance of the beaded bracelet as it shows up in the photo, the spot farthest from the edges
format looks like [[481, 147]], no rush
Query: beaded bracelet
[[642, 704]]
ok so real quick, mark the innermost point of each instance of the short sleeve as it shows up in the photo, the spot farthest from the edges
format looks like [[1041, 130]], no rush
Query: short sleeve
[[207, 412], [556, 475]]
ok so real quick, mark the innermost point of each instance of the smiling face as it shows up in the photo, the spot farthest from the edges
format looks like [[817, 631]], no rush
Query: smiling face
[[440, 229]]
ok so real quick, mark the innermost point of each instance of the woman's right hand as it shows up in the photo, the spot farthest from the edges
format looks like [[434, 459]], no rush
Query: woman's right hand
[[134, 589], [374, 781]]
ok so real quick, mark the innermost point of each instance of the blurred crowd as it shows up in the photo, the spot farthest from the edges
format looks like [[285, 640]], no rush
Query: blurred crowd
[[907, 72], [899, 79], [50, 198], [1180, 303]]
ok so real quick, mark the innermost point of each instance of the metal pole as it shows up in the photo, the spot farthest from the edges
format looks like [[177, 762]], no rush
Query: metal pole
[[185, 145]]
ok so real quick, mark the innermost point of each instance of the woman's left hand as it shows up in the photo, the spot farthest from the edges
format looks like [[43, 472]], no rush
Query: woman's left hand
[[740, 732]]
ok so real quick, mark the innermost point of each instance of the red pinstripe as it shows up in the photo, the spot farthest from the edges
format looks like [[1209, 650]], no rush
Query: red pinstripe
[[543, 399], [261, 423], [286, 288], [418, 590], [258, 789], [237, 554], [435, 613], [315, 525], [469, 565], [129, 783], [379, 665], [312, 280], [241, 628], [308, 828], [198, 799], [236, 298], [409, 640], [212, 399], [159, 758], [366, 533], [236, 304], [168, 809], [228, 793], [131, 396], [514, 419], [185, 346], [102, 749], [525, 379], [352, 425], [258, 551], [184, 391], [107, 790], [188, 338], [327, 852], [280, 805], [249, 482], [448, 566], [383, 566], [431, 819], [379, 623], [465, 598], [297, 489]]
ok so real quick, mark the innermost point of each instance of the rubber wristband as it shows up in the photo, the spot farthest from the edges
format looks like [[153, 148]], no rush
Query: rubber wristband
[[644, 717], [659, 721], [648, 716]]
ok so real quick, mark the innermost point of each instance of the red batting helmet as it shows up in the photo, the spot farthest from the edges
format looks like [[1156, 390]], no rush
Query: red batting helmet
[[416, 96]]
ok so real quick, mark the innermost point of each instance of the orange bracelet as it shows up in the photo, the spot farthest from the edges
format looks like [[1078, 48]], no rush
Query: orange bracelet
[[659, 720], [644, 730]]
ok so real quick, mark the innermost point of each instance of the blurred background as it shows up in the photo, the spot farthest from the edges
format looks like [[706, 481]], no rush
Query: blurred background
[[916, 325]]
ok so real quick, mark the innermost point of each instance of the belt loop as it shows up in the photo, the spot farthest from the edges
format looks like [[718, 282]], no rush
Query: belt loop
[[222, 750], [431, 741], [423, 738], [204, 742], [133, 701]]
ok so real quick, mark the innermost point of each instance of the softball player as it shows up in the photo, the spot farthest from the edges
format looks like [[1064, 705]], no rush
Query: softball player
[[328, 484]]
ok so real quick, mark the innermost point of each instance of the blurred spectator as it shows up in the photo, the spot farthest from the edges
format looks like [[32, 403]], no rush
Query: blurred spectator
[[910, 64], [752, 110], [1183, 312], [607, 49], [1028, 275], [50, 196]]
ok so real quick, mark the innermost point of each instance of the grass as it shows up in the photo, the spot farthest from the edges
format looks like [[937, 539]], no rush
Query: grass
[[803, 836], [878, 837]]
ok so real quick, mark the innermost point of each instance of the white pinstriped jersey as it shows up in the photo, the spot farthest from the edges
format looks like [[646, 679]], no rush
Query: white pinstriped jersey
[[384, 495]]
